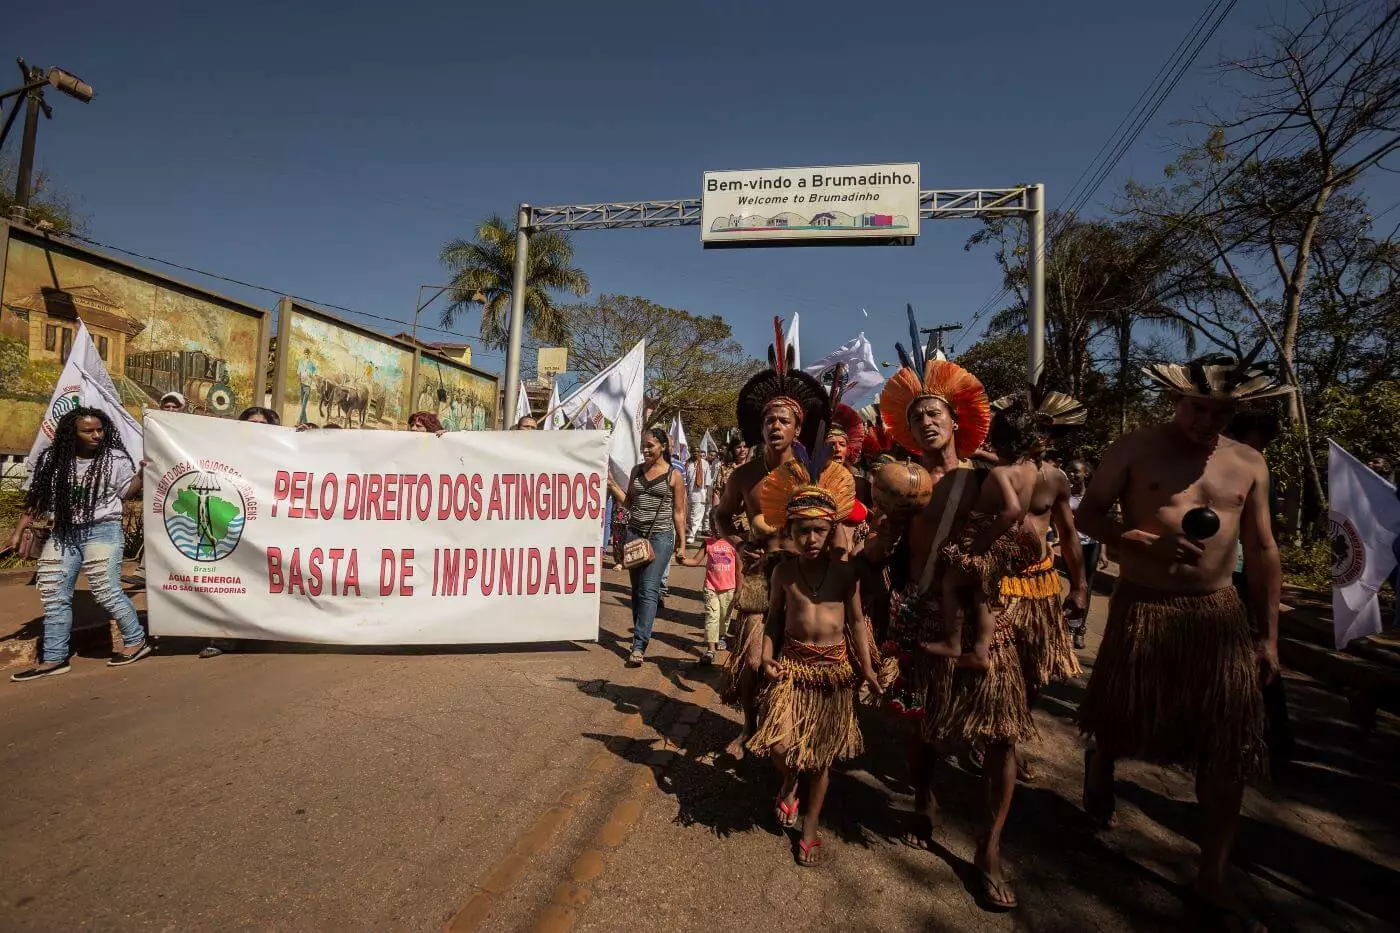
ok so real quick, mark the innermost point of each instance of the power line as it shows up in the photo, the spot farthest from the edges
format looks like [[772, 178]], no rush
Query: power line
[[286, 294], [1132, 125]]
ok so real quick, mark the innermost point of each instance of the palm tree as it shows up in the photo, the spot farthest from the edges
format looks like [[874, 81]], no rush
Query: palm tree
[[483, 270]]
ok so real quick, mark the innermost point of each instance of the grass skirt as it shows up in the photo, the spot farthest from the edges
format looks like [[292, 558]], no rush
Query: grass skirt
[[1177, 682], [808, 714], [979, 708], [1036, 615]]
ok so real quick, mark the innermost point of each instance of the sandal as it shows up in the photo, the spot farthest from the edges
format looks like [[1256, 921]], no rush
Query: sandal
[[787, 816], [1099, 804], [1025, 769], [997, 893], [634, 659], [807, 852]]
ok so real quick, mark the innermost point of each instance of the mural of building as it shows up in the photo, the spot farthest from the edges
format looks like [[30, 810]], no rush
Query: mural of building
[[155, 334]]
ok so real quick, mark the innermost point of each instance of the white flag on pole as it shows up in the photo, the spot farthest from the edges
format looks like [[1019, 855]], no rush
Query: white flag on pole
[[85, 381], [862, 373], [522, 404], [707, 443], [612, 400], [554, 418], [1365, 522], [680, 448], [791, 340]]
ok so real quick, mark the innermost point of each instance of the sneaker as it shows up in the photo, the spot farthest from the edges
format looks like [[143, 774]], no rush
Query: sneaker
[[707, 658], [124, 658], [634, 659], [40, 670], [210, 650]]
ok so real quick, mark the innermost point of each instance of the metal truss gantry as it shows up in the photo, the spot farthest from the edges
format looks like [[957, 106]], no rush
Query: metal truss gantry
[[938, 204], [1026, 201]]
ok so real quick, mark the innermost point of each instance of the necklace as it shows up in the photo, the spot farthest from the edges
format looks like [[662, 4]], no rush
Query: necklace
[[814, 590]]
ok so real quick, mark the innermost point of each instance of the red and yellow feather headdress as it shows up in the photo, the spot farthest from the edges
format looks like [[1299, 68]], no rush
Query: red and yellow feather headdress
[[943, 380], [788, 493]]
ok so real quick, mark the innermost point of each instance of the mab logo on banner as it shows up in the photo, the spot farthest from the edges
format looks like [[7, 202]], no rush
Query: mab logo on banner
[[1348, 551], [69, 398], [204, 508]]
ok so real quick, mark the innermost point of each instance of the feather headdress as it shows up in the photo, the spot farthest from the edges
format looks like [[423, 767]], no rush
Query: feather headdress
[[1051, 409], [1219, 376], [782, 384], [845, 420], [788, 493], [920, 378]]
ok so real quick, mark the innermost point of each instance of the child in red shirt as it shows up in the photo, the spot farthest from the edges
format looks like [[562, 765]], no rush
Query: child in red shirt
[[719, 563]]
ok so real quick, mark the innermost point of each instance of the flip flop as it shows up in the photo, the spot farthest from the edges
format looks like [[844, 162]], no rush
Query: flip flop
[[807, 852], [1025, 769], [997, 893], [787, 816]]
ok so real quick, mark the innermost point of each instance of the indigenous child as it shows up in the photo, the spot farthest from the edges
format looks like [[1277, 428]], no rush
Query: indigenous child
[[807, 716], [996, 541], [719, 563]]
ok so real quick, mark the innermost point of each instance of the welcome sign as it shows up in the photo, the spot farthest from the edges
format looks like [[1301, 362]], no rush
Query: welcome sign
[[826, 203], [374, 537]]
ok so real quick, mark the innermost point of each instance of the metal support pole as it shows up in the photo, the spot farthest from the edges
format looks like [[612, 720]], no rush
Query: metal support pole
[[517, 311], [26, 153], [1035, 218]]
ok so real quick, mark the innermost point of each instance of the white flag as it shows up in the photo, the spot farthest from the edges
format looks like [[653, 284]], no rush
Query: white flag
[[791, 340], [554, 418], [680, 448], [707, 443], [85, 381], [522, 403], [1365, 520], [862, 374], [612, 400]]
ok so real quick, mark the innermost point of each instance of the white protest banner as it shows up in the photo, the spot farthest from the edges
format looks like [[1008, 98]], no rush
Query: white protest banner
[[554, 418], [372, 537], [85, 381], [863, 375], [1365, 521], [840, 202]]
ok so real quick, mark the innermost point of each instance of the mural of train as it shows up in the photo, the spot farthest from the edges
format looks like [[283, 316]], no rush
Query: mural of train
[[201, 378]]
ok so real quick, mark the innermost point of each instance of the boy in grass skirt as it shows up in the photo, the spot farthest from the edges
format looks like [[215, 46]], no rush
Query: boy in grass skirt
[[807, 716]]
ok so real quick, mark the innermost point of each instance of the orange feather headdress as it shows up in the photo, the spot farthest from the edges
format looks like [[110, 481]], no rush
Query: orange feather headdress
[[949, 382], [788, 493]]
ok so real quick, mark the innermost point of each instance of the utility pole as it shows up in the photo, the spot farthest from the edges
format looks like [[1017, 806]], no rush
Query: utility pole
[[935, 337]]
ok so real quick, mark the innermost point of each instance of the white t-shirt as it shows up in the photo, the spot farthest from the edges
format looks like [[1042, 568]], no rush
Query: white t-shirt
[[703, 468], [109, 503], [1074, 506]]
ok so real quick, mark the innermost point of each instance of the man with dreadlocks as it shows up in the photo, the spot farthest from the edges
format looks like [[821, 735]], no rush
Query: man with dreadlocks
[[815, 623], [81, 481], [776, 407], [1177, 679]]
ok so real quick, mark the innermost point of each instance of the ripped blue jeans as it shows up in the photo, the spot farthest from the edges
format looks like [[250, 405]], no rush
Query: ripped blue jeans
[[97, 550]]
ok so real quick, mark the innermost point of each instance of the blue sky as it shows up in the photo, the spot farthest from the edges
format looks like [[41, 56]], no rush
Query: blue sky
[[330, 150]]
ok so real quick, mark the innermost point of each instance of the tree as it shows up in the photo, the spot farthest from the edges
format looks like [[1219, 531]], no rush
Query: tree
[[46, 204], [695, 367], [483, 270]]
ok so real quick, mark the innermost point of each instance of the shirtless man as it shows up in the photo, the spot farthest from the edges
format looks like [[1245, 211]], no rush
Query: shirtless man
[[774, 408], [943, 412], [1178, 674]]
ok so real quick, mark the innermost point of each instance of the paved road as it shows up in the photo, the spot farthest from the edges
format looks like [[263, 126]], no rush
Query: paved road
[[554, 789]]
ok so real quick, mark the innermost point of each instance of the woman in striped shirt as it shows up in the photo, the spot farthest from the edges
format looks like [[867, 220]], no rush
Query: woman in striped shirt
[[656, 510]]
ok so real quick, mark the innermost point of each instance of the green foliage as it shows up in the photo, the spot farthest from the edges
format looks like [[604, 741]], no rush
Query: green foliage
[[1308, 565], [483, 271], [14, 355], [47, 205]]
